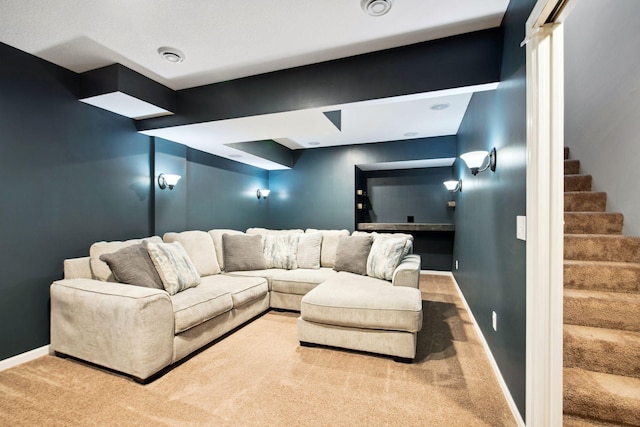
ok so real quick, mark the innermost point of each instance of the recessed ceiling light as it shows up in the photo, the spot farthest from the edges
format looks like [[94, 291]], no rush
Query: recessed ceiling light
[[376, 7], [410, 134], [314, 143], [439, 107], [172, 55], [235, 156]]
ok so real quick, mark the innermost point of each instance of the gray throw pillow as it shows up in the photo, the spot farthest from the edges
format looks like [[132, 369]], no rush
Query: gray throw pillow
[[133, 266], [243, 252], [352, 254]]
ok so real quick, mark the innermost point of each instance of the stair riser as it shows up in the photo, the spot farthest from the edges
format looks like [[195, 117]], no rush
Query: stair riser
[[596, 278], [571, 167], [600, 313], [594, 353], [606, 397], [601, 248], [585, 202], [577, 183], [593, 223]]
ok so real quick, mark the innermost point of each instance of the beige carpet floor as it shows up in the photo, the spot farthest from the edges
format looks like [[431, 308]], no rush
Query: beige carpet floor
[[259, 375]]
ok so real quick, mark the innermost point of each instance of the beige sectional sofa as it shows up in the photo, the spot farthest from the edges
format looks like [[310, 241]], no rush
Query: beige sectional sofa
[[141, 330]]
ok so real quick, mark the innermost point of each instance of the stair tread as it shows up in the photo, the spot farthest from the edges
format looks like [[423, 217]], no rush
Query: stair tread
[[624, 297], [603, 237], [573, 421], [584, 192], [612, 398], [587, 213], [601, 264], [605, 334]]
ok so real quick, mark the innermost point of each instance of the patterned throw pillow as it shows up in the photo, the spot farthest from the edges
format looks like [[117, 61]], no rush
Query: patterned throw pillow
[[243, 252], [309, 249], [352, 254], [133, 266], [386, 253], [174, 266], [280, 251]]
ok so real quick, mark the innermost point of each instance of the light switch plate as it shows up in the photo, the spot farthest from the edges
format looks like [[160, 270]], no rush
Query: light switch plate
[[521, 227]]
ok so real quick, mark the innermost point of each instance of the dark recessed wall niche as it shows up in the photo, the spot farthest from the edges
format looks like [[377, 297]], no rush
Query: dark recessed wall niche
[[391, 196], [395, 195]]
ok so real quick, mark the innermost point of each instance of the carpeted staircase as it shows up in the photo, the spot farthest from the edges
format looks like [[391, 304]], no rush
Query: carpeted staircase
[[601, 309]]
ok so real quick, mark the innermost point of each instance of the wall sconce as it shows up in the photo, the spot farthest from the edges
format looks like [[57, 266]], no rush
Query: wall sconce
[[168, 180], [453, 185], [475, 160], [264, 193]]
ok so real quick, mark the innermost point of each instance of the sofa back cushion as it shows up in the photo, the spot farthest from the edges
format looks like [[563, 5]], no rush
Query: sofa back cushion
[[199, 247], [352, 254], [330, 239], [280, 250], [243, 252], [99, 269], [133, 266], [216, 235], [266, 231], [174, 266], [309, 249]]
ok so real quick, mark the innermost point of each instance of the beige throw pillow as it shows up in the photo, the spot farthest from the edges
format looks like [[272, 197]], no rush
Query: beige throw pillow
[[280, 251], [386, 253], [174, 266]]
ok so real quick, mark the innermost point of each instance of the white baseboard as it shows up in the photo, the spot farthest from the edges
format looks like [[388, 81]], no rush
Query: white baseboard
[[503, 385], [436, 273], [24, 357]]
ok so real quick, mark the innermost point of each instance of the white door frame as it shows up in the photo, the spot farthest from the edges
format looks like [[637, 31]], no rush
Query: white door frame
[[545, 212]]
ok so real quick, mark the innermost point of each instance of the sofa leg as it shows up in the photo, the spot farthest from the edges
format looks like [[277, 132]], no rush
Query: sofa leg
[[398, 359], [308, 344]]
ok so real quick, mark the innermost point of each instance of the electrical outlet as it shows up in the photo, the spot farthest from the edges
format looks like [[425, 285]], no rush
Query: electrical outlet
[[494, 320], [456, 264], [521, 227]]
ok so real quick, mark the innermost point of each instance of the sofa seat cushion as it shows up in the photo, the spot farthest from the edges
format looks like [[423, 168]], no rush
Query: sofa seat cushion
[[194, 306], [350, 300], [300, 281], [267, 274], [242, 289]]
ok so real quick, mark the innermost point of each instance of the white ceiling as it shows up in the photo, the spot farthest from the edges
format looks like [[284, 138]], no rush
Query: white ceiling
[[224, 40]]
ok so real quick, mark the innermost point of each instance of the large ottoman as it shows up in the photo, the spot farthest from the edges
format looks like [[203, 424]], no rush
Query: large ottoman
[[362, 313]]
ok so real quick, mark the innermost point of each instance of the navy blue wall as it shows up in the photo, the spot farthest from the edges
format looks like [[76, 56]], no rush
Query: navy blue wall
[[222, 193], [319, 192], [72, 174], [491, 260]]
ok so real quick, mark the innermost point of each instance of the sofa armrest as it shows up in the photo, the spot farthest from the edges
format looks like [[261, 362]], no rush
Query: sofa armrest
[[407, 273], [77, 268], [122, 327]]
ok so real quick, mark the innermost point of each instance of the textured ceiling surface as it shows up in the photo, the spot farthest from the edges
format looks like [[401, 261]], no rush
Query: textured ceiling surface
[[225, 40]]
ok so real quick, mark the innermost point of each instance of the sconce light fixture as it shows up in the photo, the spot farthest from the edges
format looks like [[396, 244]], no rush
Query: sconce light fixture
[[168, 180], [453, 185], [476, 159], [264, 193]]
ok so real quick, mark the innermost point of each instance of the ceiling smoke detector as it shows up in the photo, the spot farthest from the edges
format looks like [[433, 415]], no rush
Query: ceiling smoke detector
[[172, 55], [376, 7]]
